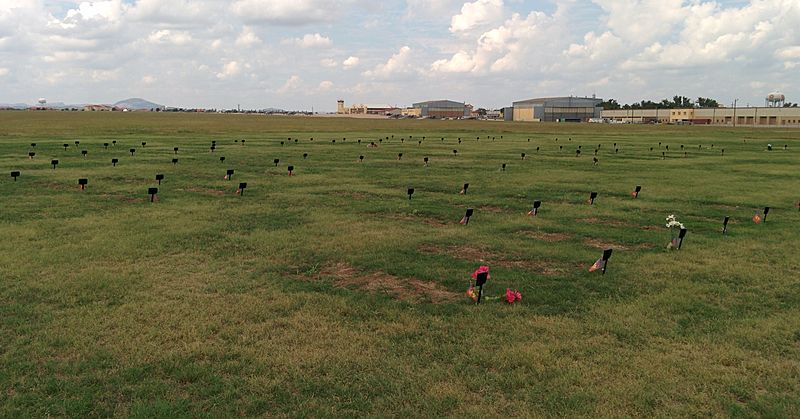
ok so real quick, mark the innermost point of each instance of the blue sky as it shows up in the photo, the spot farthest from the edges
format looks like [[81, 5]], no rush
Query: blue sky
[[299, 54]]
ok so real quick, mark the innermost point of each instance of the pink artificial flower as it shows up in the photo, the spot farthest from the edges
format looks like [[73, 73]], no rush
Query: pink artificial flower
[[481, 270], [518, 295], [510, 296]]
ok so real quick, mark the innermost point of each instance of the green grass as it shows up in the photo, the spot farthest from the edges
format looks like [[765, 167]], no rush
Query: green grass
[[329, 293]]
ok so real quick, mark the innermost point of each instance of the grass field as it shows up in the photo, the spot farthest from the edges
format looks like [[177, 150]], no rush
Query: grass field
[[330, 293]]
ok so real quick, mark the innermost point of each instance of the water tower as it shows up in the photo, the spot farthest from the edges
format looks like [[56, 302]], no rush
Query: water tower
[[775, 100]]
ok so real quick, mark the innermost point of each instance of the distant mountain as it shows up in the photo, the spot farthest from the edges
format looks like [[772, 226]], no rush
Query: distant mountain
[[13, 106], [137, 104]]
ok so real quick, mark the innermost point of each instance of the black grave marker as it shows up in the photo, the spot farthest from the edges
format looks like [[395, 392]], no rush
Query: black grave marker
[[681, 236], [228, 174], [152, 192], [65, 146], [105, 146], [399, 156], [636, 190], [276, 161], [425, 159], [114, 162], [535, 210], [31, 154], [503, 167], [766, 211], [410, 192], [725, 224], [221, 159], [464, 189], [15, 175], [174, 162], [159, 178], [242, 187], [592, 197], [523, 156], [133, 150], [480, 280], [455, 152], [84, 152], [361, 159], [467, 216], [175, 149], [305, 155], [33, 145], [82, 183], [54, 163], [143, 144], [606, 257]]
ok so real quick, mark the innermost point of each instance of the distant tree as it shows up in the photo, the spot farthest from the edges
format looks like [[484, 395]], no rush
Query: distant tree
[[481, 111], [789, 105], [705, 102], [610, 105]]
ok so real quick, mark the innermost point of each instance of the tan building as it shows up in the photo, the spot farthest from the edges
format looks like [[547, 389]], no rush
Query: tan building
[[362, 109], [757, 116]]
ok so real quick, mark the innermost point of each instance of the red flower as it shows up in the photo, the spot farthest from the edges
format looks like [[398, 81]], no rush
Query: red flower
[[510, 296], [518, 295], [481, 270]]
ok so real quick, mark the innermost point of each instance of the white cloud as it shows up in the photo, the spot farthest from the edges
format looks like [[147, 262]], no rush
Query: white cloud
[[350, 62], [166, 36], [310, 40], [284, 12], [230, 69], [247, 38], [477, 14], [148, 79], [461, 62], [398, 64], [4, 71], [325, 86], [328, 63], [291, 85]]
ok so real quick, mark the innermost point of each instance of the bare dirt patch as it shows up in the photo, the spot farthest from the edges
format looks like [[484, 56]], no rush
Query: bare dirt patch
[[476, 254], [548, 237], [405, 289], [595, 220]]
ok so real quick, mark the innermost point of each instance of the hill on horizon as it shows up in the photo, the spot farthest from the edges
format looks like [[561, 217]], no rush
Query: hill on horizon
[[137, 104]]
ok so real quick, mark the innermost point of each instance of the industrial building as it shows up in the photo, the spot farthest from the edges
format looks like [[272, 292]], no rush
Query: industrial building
[[557, 109], [362, 109], [443, 109], [750, 116]]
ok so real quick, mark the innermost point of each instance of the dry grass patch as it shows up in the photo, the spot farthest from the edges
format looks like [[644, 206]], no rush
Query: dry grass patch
[[429, 221], [476, 254], [595, 220], [404, 289], [544, 236], [608, 244]]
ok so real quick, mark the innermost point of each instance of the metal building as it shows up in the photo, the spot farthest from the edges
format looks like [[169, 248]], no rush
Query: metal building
[[558, 109], [442, 109]]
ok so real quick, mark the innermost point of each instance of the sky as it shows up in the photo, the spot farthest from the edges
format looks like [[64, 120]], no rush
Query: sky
[[306, 54]]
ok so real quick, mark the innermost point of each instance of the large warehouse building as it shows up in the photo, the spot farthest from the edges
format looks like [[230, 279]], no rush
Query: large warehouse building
[[442, 109], [558, 109], [751, 116]]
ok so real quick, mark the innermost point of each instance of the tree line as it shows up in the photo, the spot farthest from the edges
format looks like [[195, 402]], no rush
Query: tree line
[[676, 102]]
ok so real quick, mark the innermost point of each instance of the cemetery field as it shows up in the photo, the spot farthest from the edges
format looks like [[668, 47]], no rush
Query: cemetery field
[[330, 293]]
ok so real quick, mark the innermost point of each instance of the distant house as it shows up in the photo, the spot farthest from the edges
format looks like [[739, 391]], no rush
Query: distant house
[[98, 108]]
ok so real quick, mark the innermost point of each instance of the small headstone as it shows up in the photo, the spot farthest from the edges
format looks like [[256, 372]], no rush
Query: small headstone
[[31, 155], [725, 224], [503, 167], [399, 156], [523, 156], [291, 170], [133, 150], [281, 143], [766, 211], [242, 142], [592, 197], [175, 149], [114, 142], [65, 146], [228, 174], [242, 187], [361, 159], [143, 144], [221, 159], [15, 175], [305, 155], [54, 163], [114, 162], [213, 147], [410, 192], [105, 146], [82, 183], [159, 178], [455, 152], [84, 152], [535, 210], [276, 161], [467, 216], [174, 161], [425, 159], [464, 189], [33, 145], [152, 192]]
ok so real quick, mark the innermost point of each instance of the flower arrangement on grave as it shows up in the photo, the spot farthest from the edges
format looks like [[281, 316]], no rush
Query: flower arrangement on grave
[[475, 289], [757, 217], [674, 227]]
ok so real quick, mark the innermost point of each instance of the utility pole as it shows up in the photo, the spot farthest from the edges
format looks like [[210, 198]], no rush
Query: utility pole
[[734, 112]]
